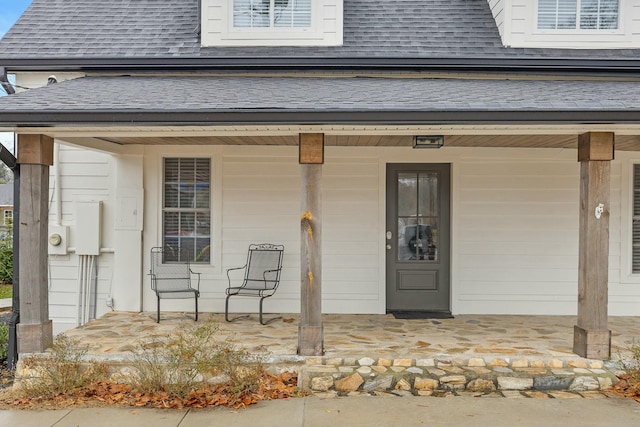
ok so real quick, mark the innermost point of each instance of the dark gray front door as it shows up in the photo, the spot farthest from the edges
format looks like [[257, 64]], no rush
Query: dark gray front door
[[418, 237]]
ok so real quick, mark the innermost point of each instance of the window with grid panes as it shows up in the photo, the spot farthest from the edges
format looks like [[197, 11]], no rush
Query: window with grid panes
[[635, 229], [578, 14], [186, 210], [276, 14]]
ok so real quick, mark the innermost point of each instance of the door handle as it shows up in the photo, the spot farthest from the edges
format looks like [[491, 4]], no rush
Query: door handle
[[388, 247]]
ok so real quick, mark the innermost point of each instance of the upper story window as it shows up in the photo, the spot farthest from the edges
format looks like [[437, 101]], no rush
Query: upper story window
[[271, 14], [271, 23], [577, 14]]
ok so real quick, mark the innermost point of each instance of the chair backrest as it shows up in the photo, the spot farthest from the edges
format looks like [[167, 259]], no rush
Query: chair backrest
[[261, 258], [168, 277]]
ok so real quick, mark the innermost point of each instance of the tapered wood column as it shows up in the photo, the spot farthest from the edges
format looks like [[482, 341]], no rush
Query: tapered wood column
[[592, 338], [310, 331], [35, 330]]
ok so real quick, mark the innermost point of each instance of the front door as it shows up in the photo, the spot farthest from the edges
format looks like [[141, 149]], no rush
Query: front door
[[418, 237]]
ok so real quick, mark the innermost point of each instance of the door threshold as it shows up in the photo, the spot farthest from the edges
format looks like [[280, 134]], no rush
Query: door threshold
[[410, 314]]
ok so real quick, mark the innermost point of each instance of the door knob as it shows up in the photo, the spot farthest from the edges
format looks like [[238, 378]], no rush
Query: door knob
[[388, 247]]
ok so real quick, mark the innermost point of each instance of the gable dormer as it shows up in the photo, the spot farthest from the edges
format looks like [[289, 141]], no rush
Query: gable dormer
[[572, 24], [271, 23]]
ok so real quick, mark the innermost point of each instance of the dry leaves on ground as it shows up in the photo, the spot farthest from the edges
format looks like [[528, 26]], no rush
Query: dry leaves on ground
[[628, 387], [101, 393]]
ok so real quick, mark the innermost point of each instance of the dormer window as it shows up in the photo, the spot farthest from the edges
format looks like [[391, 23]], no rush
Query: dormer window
[[271, 14], [271, 23], [577, 14]]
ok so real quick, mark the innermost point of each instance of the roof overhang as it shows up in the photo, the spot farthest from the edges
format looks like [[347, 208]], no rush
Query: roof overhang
[[193, 106]]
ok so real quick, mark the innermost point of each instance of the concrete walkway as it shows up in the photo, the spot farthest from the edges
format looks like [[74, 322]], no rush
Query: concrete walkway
[[354, 411]]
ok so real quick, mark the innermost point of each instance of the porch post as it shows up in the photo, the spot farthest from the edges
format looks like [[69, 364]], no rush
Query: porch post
[[591, 338], [310, 331], [35, 330]]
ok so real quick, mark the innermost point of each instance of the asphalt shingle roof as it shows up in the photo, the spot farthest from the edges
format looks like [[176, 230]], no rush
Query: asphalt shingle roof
[[167, 28], [236, 94]]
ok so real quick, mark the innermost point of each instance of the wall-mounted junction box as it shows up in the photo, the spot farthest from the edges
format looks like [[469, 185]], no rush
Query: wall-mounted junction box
[[87, 232]]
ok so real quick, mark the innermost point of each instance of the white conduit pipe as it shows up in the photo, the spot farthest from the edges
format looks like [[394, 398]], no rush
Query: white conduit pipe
[[80, 291], [86, 266], [58, 188]]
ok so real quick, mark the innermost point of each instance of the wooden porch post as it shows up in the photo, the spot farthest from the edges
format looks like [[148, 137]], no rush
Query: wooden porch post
[[35, 330], [310, 331], [591, 338]]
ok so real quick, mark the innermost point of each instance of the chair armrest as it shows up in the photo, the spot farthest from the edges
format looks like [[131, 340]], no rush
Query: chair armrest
[[231, 269], [197, 274]]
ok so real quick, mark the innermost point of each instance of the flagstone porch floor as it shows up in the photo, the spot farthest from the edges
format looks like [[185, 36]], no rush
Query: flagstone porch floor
[[511, 356], [377, 336]]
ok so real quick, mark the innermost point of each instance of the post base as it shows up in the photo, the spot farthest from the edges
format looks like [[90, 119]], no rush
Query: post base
[[35, 338], [310, 340], [592, 344]]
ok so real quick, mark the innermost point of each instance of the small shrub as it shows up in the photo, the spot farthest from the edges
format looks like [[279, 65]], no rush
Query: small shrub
[[179, 364], [4, 342], [6, 255], [60, 372]]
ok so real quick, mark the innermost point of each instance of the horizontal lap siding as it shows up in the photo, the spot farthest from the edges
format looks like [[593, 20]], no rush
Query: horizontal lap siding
[[497, 10], [261, 203], [518, 233], [84, 175]]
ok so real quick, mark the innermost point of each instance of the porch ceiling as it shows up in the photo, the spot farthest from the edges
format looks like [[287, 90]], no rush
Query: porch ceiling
[[623, 142]]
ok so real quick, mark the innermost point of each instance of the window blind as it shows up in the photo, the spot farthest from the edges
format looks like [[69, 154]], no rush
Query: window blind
[[186, 211], [566, 14], [635, 264], [271, 13]]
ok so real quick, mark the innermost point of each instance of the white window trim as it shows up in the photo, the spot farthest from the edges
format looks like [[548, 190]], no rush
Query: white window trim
[[626, 228], [215, 207], [326, 27], [577, 30], [532, 37]]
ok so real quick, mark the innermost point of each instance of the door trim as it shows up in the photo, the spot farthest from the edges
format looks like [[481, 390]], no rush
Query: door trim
[[445, 210]]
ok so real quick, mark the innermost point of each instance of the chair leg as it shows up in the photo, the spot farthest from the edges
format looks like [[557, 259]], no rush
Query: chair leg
[[196, 298], [270, 320], [226, 311], [158, 317]]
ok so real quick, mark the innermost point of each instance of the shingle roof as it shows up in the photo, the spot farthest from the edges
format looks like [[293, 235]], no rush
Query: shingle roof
[[166, 28], [136, 99]]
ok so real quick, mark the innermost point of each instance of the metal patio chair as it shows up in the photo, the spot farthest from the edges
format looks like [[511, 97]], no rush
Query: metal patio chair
[[172, 280], [261, 277]]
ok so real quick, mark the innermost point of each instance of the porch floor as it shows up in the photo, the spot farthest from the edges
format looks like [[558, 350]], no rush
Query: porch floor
[[377, 336]]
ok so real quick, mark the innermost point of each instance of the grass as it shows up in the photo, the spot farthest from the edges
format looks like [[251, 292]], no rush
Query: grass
[[6, 291]]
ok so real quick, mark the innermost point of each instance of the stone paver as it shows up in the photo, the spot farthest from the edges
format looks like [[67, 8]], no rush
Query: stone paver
[[378, 354]]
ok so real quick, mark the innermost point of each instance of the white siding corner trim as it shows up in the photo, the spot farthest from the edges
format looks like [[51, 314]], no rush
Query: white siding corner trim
[[325, 30]]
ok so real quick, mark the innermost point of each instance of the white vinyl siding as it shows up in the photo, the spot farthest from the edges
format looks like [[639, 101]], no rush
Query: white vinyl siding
[[84, 176], [271, 23], [497, 10], [515, 227]]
